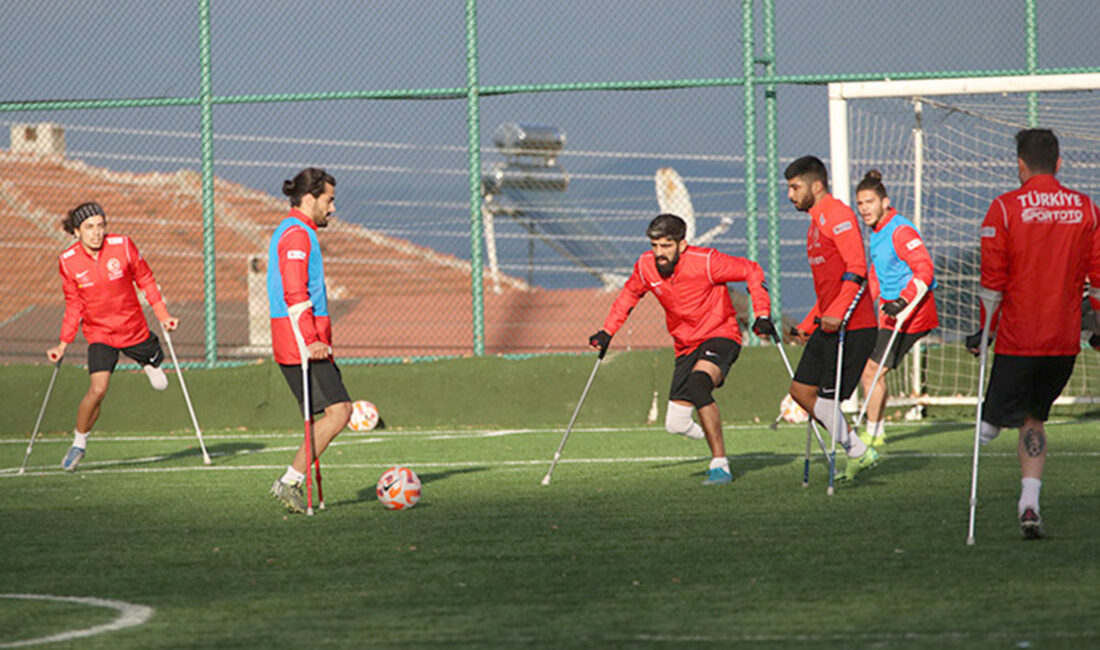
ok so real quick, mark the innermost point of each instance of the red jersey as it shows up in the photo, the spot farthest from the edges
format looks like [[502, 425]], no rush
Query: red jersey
[[1039, 243], [909, 248], [99, 293], [834, 246], [695, 298]]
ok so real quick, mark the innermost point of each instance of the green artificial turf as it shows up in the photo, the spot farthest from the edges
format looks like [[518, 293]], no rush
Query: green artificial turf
[[624, 549]]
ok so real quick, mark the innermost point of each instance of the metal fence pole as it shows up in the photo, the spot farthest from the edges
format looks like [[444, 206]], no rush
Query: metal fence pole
[[207, 135], [473, 139]]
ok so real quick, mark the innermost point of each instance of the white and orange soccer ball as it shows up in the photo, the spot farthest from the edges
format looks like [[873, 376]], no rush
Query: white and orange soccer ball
[[792, 412], [399, 488], [364, 416]]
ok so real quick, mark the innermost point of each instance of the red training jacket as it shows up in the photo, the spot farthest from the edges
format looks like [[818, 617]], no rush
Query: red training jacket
[[294, 250], [1039, 243], [910, 249], [99, 293], [695, 298], [834, 246]]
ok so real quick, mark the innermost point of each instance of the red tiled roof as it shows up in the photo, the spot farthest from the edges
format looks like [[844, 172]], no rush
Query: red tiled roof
[[419, 305]]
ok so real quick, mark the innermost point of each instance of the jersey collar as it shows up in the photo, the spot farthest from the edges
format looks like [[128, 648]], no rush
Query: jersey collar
[[303, 217]]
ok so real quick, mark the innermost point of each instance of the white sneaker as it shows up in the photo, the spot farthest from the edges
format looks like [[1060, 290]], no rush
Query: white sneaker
[[988, 432], [157, 379]]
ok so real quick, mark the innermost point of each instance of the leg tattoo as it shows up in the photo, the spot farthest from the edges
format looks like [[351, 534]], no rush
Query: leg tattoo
[[1034, 442]]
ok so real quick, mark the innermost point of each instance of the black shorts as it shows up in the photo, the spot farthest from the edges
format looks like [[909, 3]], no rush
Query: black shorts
[[903, 342], [818, 364], [719, 351], [102, 357], [326, 387], [1024, 386]]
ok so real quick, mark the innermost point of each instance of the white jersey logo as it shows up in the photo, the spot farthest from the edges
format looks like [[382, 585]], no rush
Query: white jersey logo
[[841, 227], [989, 232], [913, 244], [81, 274], [295, 255], [114, 240]]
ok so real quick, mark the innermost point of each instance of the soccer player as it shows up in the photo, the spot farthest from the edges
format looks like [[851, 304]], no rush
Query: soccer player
[[834, 248], [690, 284], [296, 289], [98, 273], [901, 269], [1039, 243]]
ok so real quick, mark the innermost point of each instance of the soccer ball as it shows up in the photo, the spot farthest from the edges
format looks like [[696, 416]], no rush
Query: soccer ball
[[791, 411], [364, 416], [399, 488]]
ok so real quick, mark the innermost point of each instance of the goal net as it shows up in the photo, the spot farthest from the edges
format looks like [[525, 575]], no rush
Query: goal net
[[946, 149]]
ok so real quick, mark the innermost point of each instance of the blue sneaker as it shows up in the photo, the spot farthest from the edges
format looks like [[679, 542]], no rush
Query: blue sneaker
[[718, 476], [72, 459]]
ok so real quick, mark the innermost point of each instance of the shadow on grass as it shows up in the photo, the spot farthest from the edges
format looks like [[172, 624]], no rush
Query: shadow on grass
[[368, 492], [932, 430], [218, 451]]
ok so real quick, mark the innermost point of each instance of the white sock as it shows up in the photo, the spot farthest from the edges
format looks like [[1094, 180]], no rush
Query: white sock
[[1029, 494], [876, 429], [292, 476], [823, 411], [721, 461], [80, 439]]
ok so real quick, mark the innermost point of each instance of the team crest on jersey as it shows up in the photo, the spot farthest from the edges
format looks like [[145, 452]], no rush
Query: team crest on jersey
[[114, 269], [822, 219]]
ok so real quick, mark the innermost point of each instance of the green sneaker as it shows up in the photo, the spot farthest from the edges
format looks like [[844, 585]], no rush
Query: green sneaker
[[866, 437], [289, 495], [879, 441], [868, 460]]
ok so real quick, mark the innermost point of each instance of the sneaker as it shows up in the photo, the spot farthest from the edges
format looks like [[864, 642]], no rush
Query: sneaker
[[718, 476], [157, 379], [290, 495], [879, 441], [72, 459], [868, 460], [1031, 525], [867, 438]]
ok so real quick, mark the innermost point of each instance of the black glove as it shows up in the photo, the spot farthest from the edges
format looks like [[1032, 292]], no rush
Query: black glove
[[600, 340], [974, 341], [894, 307], [1094, 341], [763, 326]]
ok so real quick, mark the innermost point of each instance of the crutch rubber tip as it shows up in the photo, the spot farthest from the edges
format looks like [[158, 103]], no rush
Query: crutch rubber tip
[[829, 491], [969, 541], [805, 484], [21, 471], [773, 426], [546, 480], [322, 506], [206, 461], [309, 512]]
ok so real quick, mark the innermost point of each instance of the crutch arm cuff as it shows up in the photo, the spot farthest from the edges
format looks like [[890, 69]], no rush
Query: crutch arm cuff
[[297, 309]]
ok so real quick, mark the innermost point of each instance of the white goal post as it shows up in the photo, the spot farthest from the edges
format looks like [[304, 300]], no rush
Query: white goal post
[[946, 149]]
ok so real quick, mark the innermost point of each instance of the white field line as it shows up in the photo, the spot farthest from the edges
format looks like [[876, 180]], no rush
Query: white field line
[[434, 434], [130, 615], [90, 467], [114, 467]]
